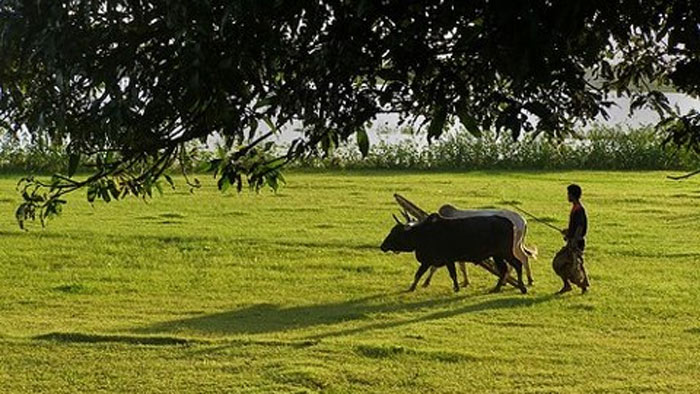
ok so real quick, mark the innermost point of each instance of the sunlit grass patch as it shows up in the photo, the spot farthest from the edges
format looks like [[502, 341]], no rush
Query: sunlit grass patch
[[253, 292]]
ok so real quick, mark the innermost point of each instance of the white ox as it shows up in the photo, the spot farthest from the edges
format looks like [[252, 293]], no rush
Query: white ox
[[520, 251]]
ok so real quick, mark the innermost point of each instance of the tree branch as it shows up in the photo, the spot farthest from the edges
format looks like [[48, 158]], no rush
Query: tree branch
[[688, 175]]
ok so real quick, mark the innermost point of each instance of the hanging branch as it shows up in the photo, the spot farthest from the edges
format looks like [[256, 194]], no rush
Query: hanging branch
[[688, 175]]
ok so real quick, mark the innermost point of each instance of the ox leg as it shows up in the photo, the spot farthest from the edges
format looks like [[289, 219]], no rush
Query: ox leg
[[419, 273], [463, 268], [528, 271], [522, 255], [519, 270], [430, 276], [453, 275], [503, 274], [566, 287]]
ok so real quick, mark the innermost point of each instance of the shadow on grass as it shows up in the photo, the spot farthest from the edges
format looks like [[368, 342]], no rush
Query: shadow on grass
[[36, 233], [327, 245], [657, 255], [267, 318], [72, 337], [197, 240], [501, 303], [685, 195], [89, 338]]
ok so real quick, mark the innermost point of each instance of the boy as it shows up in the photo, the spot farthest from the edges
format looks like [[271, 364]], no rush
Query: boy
[[575, 234]]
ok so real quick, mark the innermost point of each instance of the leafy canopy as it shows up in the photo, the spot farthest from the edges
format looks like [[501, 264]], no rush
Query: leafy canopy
[[127, 83]]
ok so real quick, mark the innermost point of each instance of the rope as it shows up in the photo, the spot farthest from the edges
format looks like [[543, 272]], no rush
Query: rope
[[536, 218]]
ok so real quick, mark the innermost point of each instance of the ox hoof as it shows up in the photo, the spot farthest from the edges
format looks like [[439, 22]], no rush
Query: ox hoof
[[564, 289], [584, 290], [464, 284], [523, 289], [411, 289], [496, 289], [456, 289], [530, 283], [426, 284]]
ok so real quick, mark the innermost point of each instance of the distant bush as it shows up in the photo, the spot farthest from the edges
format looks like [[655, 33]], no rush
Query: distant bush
[[602, 148], [37, 158], [44, 158]]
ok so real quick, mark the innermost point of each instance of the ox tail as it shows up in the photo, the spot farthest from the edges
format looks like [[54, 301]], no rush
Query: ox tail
[[531, 251]]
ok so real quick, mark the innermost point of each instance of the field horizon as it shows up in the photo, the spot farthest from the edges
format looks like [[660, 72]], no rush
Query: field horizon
[[289, 292]]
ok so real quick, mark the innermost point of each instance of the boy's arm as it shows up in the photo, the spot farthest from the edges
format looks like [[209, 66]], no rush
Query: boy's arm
[[569, 231], [572, 241], [575, 229], [578, 232]]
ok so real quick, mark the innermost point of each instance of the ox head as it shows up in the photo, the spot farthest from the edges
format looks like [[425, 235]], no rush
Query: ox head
[[401, 238]]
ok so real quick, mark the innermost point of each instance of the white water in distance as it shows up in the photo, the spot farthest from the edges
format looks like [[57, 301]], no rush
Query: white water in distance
[[618, 116]]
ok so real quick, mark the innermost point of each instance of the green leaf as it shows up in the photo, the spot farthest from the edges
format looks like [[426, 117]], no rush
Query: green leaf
[[91, 193], [73, 161], [214, 165], [468, 121], [169, 179], [270, 124], [104, 193], [21, 215], [266, 102], [239, 183], [194, 81], [438, 122], [114, 189], [363, 141], [327, 144], [253, 128], [223, 183], [272, 182]]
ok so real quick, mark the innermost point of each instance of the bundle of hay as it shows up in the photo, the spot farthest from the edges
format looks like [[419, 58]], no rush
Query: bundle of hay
[[569, 266]]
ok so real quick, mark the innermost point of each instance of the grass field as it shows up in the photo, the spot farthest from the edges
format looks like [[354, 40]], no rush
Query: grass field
[[289, 292]]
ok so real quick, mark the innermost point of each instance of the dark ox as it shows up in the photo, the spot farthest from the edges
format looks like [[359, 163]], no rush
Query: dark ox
[[439, 241]]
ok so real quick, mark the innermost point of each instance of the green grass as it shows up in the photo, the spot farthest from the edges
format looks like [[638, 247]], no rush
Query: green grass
[[289, 292]]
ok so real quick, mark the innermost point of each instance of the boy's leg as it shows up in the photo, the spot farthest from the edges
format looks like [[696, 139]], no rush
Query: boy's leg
[[579, 257], [585, 283]]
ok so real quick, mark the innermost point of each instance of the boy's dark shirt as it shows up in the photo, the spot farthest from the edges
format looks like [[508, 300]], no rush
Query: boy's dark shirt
[[578, 218]]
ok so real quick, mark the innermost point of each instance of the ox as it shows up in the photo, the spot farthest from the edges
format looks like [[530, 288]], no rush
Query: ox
[[519, 223], [438, 241]]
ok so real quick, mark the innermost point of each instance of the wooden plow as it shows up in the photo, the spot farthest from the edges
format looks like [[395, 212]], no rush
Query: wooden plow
[[412, 210]]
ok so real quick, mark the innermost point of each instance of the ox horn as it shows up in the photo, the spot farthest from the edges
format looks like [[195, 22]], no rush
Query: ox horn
[[410, 207], [397, 220], [406, 216]]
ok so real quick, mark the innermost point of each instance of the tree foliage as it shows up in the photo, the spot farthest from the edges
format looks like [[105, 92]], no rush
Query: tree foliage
[[126, 83]]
